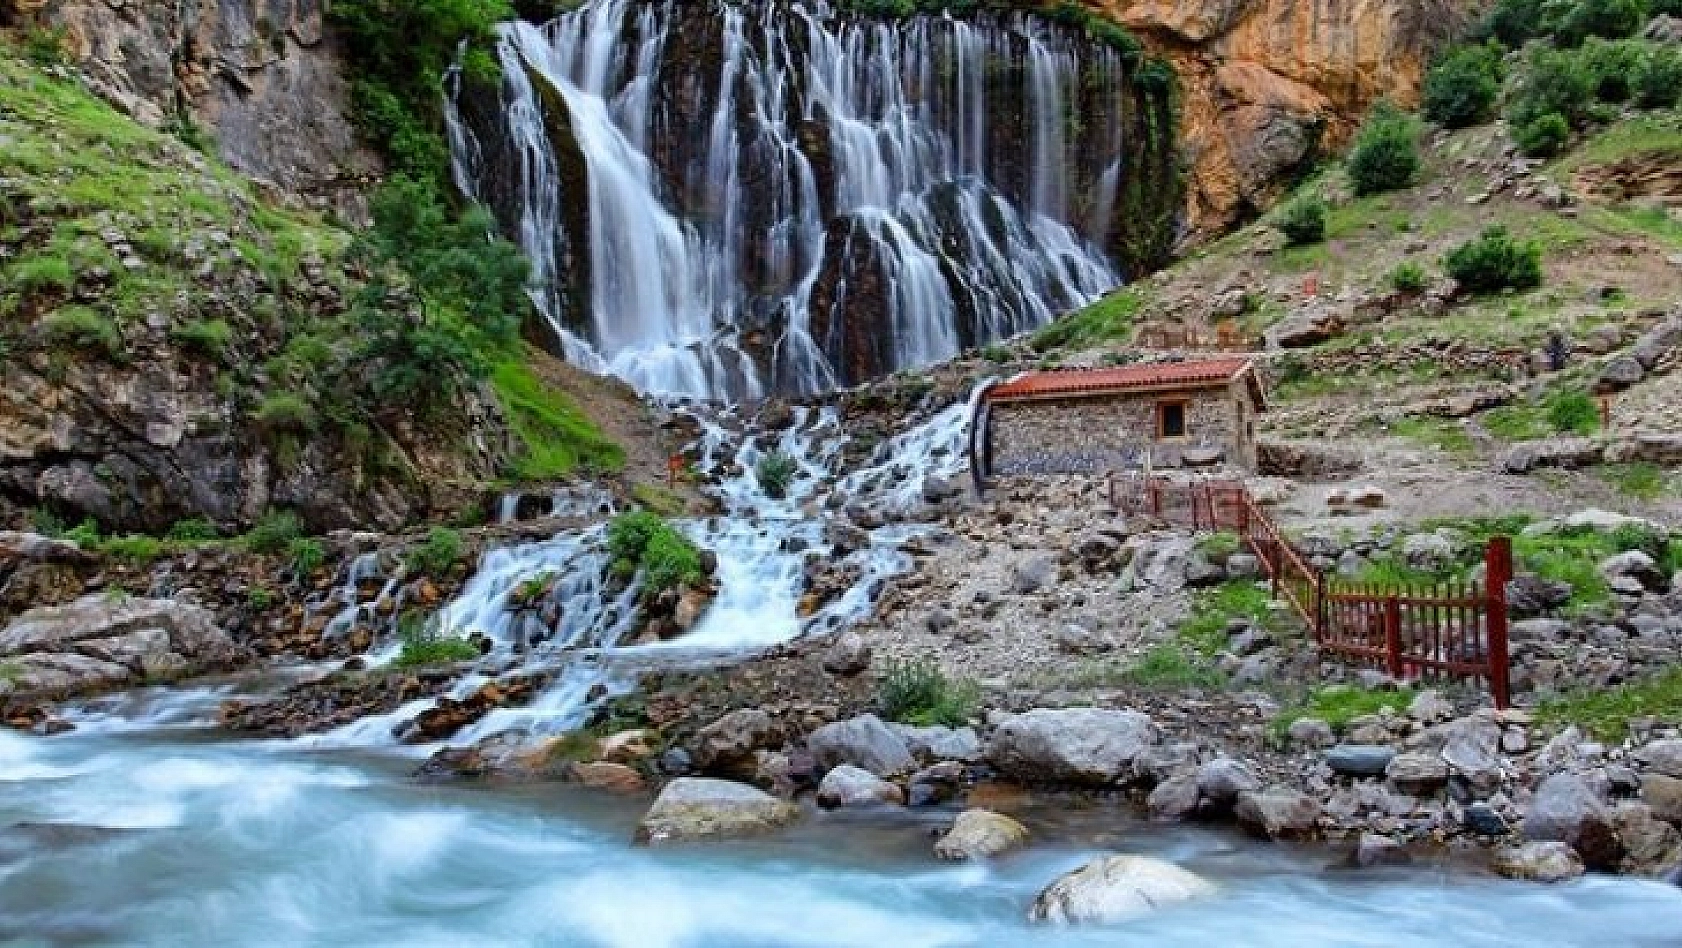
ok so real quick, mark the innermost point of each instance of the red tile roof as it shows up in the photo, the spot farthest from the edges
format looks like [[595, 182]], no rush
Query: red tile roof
[[1154, 376]]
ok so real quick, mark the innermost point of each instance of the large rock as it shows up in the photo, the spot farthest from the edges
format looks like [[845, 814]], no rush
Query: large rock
[[848, 786], [701, 808], [1537, 862], [1566, 809], [865, 742], [1663, 756], [1032, 574], [1472, 748], [1657, 342], [1116, 888], [1079, 746], [1527, 456], [98, 643], [931, 744], [728, 743], [1175, 798], [1277, 813], [1360, 760], [1418, 774], [1221, 780], [1638, 566], [1664, 795], [1620, 373], [980, 834]]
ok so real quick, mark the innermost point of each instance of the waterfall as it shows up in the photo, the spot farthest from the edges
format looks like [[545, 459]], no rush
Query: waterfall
[[727, 199]]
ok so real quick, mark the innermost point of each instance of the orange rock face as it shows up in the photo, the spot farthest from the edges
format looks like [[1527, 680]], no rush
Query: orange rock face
[[1267, 83]]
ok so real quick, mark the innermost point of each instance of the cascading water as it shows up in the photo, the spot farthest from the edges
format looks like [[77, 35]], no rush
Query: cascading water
[[722, 199]]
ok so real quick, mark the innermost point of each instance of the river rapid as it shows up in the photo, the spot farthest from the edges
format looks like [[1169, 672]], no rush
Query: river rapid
[[144, 827]]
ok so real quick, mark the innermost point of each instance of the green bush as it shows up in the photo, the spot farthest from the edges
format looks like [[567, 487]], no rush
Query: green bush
[[641, 540], [136, 549], [1461, 90], [307, 555], [998, 355], [42, 271], [209, 336], [85, 328], [1386, 152], [775, 473], [1610, 19], [1511, 22], [1303, 221], [194, 530], [1543, 136], [45, 46], [1611, 66], [437, 554], [1657, 83], [1408, 277], [1572, 411], [1495, 261], [286, 412], [920, 694], [274, 533], [1552, 82], [425, 643]]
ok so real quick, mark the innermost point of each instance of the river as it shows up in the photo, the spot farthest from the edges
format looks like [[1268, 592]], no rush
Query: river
[[145, 827]]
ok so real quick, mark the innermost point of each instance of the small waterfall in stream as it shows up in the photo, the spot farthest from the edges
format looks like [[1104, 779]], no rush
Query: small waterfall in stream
[[724, 199]]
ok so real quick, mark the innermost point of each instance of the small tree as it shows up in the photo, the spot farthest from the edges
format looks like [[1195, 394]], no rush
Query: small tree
[[1303, 221], [1461, 89], [1543, 136], [1386, 154], [1611, 19], [1408, 277], [1657, 83], [1611, 66], [1551, 82], [1495, 261]]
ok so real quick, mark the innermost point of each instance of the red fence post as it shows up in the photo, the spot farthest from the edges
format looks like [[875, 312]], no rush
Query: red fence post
[[1498, 572], [1393, 635]]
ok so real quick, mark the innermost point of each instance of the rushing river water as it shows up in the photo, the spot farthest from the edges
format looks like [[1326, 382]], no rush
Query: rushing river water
[[121, 834]]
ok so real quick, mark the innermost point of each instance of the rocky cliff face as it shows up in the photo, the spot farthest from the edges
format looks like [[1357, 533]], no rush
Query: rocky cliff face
[[265, 77], [1266, 82]]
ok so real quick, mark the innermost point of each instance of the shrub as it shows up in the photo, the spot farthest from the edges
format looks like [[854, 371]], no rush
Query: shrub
[[209, 336], [1494, 262], [425, 642], [307, 555], [1572, 411], [286, 412], [920, 694], [998, 355], [1461, 89], [43, 271], [1552, 82], [1303, 221], [45, 46], [775, 473], [1657, 83], [1408, 277], [1543, 136], [1611, 66], [85, 328], [1386, 153], [259, 598], [194, 530], [1610, 19], [1512, 22], [640, 540], [274, 533], [440, 551], [137, 549]]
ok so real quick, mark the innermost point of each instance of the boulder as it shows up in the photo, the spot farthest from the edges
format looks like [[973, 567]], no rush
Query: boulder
[[1360, 760], [1662, 756], [189, 630], [930, 744], [1417, 774], [1650, 844], [1537, 862], [935, 784], [1311, 732], [1664, 795], [1620, 373], [1566, 809], [1472, 749], [1080, 746], [1527, 456], [1482, 819], [1221, 780], [1429, 707], [701, 808], [1531, 595], [1112, 889], [16, 548], [1277, 813], [602, 775], [865, 742], [1636, 565], [848, 786], [1428, 551], [728, 743], [1030, 575], [980, 834], [1175, 798], [1657, 342], [850, 655]]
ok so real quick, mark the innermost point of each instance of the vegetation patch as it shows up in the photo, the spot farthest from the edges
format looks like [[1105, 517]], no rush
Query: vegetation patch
[[437, 554], [1605, 713], [556, 437], [1337, 705], [1639, 480], [1169, 666], [640, 541], [1108, 320], [920, 694], [1205, 633], [1386, 152], [775, 472], [1494, 262], [426, 642]]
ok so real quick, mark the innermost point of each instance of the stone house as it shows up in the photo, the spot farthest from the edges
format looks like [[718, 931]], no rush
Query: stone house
[[1178, 414]]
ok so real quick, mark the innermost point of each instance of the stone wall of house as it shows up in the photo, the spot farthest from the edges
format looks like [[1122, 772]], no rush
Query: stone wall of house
[[1099, 433]]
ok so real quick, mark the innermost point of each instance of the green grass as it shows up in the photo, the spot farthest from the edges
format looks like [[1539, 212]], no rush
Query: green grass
[[641, 541], [43, 271], [557, 439], [437, 554], [1654, 132], [920, 694], [1640, 480], [210, 337], [1338, 705], [1108, 320], [426, 643], [274, 533], [85, 328], [658, 499], [1605, 713], [1563, 411], [1446, 436], [1205, 632], [1172, 667]]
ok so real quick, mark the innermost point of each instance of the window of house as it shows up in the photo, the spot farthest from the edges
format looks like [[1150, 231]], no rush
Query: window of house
[[1170, 419]]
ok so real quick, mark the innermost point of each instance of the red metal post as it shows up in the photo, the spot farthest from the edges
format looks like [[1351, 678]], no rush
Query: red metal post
[[1393, 635], [1498, 572]]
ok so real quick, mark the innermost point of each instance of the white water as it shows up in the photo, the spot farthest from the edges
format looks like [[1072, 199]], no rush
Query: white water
[[905, 110], [171, 841]]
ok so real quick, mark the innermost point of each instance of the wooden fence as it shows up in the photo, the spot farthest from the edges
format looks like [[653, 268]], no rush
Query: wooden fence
[[1449, 630]]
